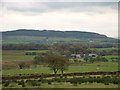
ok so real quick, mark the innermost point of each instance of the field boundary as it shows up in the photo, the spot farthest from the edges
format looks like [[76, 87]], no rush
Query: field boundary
[[57, 75]]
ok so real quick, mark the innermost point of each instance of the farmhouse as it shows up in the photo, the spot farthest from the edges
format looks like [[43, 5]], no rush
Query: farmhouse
[[75, 56], [78, 56], [92, 55], [64, 55], [85, 55]]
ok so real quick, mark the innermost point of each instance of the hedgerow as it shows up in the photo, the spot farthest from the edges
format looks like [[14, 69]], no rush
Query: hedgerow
[[75, 80]]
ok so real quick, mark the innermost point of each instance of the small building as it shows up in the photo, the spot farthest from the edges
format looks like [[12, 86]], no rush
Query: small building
[[64, 55], [75, 56], [92, 55], [78, 56]]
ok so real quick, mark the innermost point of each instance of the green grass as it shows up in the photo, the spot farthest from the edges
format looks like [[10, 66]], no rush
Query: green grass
[[109, 57], [104, 48], [27, 71], [79, 59], [51, 40], [22, 39], [36, 39], [65, 85], [95, 67], [83, 85], [38, 51], [18, 56], [12, 58]]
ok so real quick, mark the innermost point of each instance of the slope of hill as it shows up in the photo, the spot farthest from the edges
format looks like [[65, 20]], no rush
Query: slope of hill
[[51, 36]]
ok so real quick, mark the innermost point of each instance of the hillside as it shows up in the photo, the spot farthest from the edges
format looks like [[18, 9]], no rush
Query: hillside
[[52, 36]]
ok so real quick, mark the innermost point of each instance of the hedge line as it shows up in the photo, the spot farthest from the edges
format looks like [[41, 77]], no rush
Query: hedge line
[[53, 75], [75, 80]]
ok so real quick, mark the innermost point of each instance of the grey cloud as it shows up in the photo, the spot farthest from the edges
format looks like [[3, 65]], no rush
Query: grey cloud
[[61, 0], [80, 4], [42, 7]]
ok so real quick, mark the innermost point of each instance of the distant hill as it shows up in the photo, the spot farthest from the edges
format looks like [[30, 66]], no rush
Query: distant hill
[[52, 36]]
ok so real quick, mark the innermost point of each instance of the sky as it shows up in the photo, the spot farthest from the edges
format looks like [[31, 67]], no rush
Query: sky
[[99, 17]]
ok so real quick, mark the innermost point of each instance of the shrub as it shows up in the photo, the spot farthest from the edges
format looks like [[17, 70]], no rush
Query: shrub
[[106, 83], [21, 82], [23, 85], [49, 82], [33, 82], [6, 83], [75, 83], [21, 65]]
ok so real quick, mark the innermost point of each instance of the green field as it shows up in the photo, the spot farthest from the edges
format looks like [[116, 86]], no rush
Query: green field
[[84, 85], [37, 39], [45, 40], [95, 67], [11, 59], [104, 48], [67, 85], [38, 51], [109, 57]]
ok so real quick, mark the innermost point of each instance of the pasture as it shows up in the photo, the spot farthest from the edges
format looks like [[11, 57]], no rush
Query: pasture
[[66, 85], [95, 67], [11, 59], [38, 51], [107, 49]]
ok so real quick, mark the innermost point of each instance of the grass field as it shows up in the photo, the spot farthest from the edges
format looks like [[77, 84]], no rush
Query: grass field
[[51, 40], [95, 67], [104, 48], [12, 58], [109, 57], [67, 85], [84, 85], [37, 39], [38, 51]]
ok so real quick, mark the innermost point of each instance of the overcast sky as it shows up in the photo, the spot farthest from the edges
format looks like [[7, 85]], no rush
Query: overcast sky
[[100, 17]]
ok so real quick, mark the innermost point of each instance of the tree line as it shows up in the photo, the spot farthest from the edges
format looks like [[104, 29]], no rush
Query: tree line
[[57, 45]]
